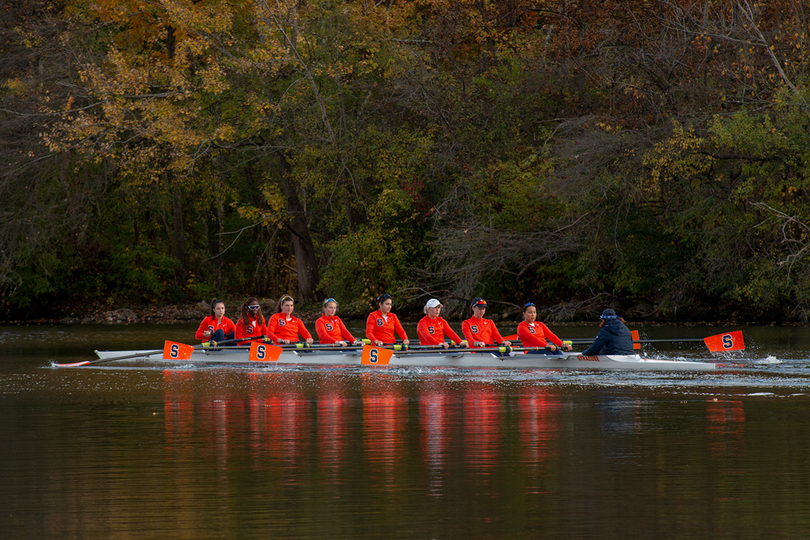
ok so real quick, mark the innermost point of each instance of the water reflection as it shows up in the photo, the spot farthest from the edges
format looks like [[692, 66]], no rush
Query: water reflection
[[279, 426], [433, 422], [725, 427], [360, 425], [482, 427], [385, 417], [310, 453], [540, 424]]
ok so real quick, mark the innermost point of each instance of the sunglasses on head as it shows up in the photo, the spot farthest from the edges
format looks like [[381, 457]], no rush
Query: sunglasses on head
[[254, 307], [528, 304]]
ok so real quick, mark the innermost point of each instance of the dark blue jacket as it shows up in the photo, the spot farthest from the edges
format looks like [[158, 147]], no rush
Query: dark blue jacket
[[613, 338]]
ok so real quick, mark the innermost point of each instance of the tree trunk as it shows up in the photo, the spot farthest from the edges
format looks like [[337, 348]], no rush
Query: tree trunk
[[179, 242], [220, 233], [305, 261]]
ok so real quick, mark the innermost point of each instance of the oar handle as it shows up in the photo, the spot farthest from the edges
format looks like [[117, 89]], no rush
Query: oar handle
[[212, 343]]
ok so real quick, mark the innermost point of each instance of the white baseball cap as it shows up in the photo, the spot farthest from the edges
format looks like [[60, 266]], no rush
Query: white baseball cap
[[432, 303]]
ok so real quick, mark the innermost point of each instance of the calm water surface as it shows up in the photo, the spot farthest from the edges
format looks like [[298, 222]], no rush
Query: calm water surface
[[142, 451]]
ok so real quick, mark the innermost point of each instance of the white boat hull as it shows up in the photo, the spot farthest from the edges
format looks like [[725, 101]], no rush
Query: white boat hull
[[239, 355]]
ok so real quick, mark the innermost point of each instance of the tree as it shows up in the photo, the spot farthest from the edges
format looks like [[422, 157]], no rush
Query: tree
[[47, 210]]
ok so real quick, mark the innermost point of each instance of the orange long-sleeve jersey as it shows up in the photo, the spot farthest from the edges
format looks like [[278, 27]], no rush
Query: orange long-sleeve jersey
[[475, 329], [331, 330], [286, 328], [432, 331], [212, 324], [380, 328], [536, 334], [254, 329]]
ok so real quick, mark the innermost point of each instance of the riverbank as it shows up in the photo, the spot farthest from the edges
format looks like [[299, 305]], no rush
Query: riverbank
[[561, 314]]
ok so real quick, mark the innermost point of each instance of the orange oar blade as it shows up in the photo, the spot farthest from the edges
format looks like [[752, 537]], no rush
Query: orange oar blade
[[177, 351], [731, 341], [634, 333], [262, 352], [375, 356]]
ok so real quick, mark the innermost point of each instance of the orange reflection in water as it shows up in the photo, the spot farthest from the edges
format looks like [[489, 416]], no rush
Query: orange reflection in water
[[725, 427], [434, 418], [331, 417], [281, 426], [384, 421], [178, 409], [540, 426], [276, 422], [540, 423], [482, 427]]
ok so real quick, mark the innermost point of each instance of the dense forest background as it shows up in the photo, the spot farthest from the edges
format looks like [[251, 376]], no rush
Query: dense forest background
[[651, 154]]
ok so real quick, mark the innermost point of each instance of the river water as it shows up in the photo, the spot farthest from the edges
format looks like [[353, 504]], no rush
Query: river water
[[145, 451]]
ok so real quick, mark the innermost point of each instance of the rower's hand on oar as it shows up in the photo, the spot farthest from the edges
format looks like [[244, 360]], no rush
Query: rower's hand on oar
[[480, 344], [378, 343], [406, 342], [507, 343], [309, 341], [284, 341], [445, 345], [358, 342], [463, 344]]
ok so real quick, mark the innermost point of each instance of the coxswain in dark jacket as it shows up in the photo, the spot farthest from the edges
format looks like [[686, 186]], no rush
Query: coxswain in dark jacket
[[613, 338]]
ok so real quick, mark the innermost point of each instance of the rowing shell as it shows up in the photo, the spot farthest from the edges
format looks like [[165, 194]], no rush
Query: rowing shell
[[239, 355]]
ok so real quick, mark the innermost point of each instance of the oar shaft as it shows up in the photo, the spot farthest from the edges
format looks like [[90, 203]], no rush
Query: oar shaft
[[145, 353], [679, 340], [100, 360]]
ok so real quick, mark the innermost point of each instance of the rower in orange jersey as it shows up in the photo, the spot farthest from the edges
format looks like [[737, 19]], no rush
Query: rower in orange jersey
[[283, 328], [381, 324], [432, 328], [330, 329], [251, 323], [533, 333], [479, 331], [216, 327]]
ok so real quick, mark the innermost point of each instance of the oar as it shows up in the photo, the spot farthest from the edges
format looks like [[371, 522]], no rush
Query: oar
[[149, 353], [328, 346], [590, 340], [492, 349], [729, 341], [100, 360]]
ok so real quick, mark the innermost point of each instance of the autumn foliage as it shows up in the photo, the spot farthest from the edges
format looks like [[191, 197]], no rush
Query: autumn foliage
[[642, 152]]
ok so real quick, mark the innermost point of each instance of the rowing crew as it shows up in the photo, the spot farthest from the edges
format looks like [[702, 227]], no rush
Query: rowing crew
[[382, 327]]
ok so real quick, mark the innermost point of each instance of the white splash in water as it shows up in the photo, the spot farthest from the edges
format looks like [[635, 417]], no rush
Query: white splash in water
[[770, 359]]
